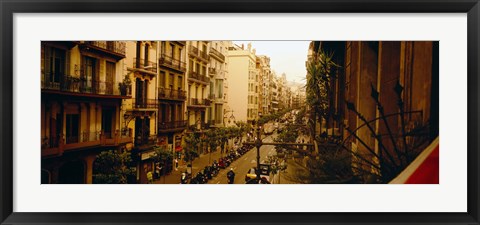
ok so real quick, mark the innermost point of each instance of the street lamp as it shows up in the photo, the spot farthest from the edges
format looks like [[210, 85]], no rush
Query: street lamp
[[258, 144]]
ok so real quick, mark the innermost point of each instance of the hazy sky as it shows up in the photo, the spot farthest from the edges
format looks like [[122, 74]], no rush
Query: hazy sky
[[285, 57]]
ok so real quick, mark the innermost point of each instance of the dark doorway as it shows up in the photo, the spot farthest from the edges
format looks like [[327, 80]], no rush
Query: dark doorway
[[72, 173]]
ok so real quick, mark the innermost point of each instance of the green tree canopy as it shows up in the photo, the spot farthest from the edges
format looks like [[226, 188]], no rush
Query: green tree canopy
[[111, 167]]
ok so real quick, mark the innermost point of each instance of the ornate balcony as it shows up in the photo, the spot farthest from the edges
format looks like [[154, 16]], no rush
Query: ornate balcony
[[216, 54], [170, 94], [212, 71], [169, 62], [58, 144], [83, 86], [198, 102], [198, 77], [145, 65], [199, 54], [115, 49], [145, 104], [171, 126]]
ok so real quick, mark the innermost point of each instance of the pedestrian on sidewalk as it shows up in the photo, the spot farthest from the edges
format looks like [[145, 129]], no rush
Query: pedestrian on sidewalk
[[231, 176], [176, 164], [150, 177]]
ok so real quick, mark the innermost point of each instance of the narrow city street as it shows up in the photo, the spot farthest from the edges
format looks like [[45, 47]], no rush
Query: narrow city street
[[244, 163]]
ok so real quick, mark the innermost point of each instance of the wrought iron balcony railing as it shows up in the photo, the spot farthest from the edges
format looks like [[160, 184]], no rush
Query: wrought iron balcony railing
[[199, 77], [145, 103], [212, 71], [172, 125], [117, 47], [199, 102], [167, 93], [145, 65], [66, 83], [217, 54], [198, 53], [168, 61]]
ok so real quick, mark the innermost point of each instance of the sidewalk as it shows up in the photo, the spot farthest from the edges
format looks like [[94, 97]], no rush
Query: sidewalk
[[198, 164]]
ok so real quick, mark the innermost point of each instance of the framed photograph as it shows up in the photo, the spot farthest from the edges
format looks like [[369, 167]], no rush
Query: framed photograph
[[159, 112]]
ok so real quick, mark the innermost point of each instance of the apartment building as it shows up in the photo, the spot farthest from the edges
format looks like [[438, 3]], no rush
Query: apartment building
[[172, 94], [264, 73], [81, 107], [218, 73], [198, 82], [142, 109], [244, 79]]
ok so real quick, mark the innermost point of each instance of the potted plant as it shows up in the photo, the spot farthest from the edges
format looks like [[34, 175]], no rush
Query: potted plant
[[125, 86]]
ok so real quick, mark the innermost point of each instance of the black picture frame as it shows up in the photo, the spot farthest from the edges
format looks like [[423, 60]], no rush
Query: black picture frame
[[10, 7]]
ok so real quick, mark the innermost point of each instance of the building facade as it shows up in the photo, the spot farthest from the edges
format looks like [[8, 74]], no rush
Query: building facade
[[218, 72], [141, 110], [172, 95], [244, 80], [81, 107], [197, 81]]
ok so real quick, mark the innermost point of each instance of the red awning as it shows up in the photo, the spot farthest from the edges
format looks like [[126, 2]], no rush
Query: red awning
[[178, 148], [424, 169]]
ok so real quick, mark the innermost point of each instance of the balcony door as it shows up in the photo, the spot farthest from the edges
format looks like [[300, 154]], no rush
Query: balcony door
[[109, 79], [72, 128], [89, 75], [54, 65], [141, 92], [107, 122]]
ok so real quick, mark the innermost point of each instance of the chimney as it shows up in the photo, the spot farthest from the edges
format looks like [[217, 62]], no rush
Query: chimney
[[242, 46]]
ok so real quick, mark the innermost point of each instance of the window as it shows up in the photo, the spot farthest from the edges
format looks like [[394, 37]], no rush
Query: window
[[163, 49], [72, 128], [162, 79], [54, 64], [171, 80], [172, 50], [180, 82], [89, 74], [110, 76]]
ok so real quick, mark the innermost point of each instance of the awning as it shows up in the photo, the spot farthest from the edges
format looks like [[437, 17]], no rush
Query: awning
[[424, 169], [178, 148]]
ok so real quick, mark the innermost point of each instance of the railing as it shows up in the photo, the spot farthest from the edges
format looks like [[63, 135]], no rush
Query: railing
[[166, 60], [212, 71], [167, 93], [145, 103], [199, 77], [145, 140], [211, 96], [199, 102], [217, 54], [83, 85], [145, 65], [172, 125], [111, 46], [57, 144], [198, 53]]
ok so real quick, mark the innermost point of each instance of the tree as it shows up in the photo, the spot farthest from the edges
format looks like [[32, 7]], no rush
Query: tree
[[191, 147], [162, 156], [212, 139], [319, 90], [111, 167]]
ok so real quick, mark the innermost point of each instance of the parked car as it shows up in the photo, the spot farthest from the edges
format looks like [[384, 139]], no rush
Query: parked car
[[264, 173]]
